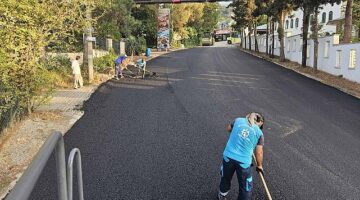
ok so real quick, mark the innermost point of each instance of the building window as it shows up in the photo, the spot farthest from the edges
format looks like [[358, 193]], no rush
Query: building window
[[338, 59], [287, 24], [294, 45], [308, 51], [288, 45], [326, 49], [297, 23], [323, 19], [330, 15], [292, 23], [301, 44], [352, 60]]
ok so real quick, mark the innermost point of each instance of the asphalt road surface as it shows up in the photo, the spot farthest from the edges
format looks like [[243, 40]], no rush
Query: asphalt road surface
[[163, 138]]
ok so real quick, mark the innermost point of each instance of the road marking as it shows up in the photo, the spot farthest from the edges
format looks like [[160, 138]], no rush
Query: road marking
[[215, 79], [228, 76], [290, 126], [240, 86], [239, 74]]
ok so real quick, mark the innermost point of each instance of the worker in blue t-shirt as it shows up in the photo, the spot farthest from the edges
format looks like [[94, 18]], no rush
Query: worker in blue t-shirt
[[118, 62], [245, 137]]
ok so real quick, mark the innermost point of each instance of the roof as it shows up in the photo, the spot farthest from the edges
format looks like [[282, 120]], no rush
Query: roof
[[335, 21]]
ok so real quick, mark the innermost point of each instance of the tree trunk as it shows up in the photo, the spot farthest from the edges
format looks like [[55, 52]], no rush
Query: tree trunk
[[315, 37], [267, 35], [241, 38], [250, 37], [281, 35], [273, 39], [244, 36], [348, 22], [255, 37], [306, 17]]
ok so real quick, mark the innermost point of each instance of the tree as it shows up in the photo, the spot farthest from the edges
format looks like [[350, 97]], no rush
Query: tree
[[240, 17], [250, 8], [147, 16], [261, 13], [179, 21], [315, 29], [309, 7], [114, 18], [211, 16], [348, 21], [356, 15], [27, 27], [280, 8], [190, 21]]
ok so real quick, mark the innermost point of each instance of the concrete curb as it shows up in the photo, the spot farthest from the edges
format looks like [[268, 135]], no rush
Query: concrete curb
[[306, 75]]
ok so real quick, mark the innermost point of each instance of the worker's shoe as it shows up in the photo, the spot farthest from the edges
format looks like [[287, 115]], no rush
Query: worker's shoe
[[221, 197]]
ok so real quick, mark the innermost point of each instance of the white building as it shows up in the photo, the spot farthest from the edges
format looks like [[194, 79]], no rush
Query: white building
[[328, 12], [333, 57]]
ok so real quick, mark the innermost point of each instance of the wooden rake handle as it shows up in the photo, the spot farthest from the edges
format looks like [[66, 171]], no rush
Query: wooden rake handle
[[263, 181]]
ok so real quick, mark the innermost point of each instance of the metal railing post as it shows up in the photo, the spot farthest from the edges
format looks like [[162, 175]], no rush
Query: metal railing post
[[27, 182], [74, 152], [61, 169]]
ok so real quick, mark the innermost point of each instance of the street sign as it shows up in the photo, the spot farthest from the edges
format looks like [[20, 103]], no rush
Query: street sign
[[91, 39]]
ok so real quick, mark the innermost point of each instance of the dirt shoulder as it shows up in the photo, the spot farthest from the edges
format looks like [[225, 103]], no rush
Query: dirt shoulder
[[342, 84]]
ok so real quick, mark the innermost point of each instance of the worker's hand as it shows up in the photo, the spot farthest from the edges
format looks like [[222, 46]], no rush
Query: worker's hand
[[260, 169]]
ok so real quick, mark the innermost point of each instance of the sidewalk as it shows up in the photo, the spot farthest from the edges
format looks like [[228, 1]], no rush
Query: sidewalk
[[19, 144]]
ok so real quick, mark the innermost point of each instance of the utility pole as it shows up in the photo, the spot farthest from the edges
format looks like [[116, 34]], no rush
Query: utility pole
[[88, 48]]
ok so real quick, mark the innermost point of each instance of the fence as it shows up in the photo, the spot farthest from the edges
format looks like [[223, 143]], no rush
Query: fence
[[334, 58], [27, 182], [9, 112]]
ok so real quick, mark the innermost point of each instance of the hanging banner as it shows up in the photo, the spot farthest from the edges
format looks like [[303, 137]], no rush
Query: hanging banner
[[163, 33]]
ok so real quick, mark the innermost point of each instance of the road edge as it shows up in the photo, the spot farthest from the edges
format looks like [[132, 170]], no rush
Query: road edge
[[304, 74]]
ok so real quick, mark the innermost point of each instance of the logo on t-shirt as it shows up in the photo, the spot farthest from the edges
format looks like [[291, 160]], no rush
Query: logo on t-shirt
[[245, 133]]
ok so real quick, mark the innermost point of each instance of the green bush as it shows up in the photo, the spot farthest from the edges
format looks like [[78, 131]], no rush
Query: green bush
[[135, 46], [104, 63], [21, 88], [60, 64]]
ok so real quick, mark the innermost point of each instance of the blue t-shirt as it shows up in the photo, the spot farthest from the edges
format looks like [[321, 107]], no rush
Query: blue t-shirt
[[119, 60], [242, 141]]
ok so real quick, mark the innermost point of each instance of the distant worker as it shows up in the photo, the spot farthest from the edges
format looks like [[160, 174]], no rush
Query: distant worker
[[118, 70], [141, 64], [75, 66], [246, 135]]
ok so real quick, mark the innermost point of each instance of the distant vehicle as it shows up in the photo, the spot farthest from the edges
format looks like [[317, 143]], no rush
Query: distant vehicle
[[207, 39], [234, 38]]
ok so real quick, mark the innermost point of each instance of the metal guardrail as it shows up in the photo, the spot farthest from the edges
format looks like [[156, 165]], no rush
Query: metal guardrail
[[28, 180], [73, 153]]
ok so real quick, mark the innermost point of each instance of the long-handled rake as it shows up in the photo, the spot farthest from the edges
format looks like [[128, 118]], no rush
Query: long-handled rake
[[263, 181]]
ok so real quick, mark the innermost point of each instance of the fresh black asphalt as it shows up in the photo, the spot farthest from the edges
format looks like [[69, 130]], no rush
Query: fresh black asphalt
[[162, 138]]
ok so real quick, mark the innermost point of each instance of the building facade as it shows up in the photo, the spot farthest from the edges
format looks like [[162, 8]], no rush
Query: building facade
[[333, 57]]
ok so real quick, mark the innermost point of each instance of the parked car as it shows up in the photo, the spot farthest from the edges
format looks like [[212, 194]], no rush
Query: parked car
[[234, 38], [207, 39]]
